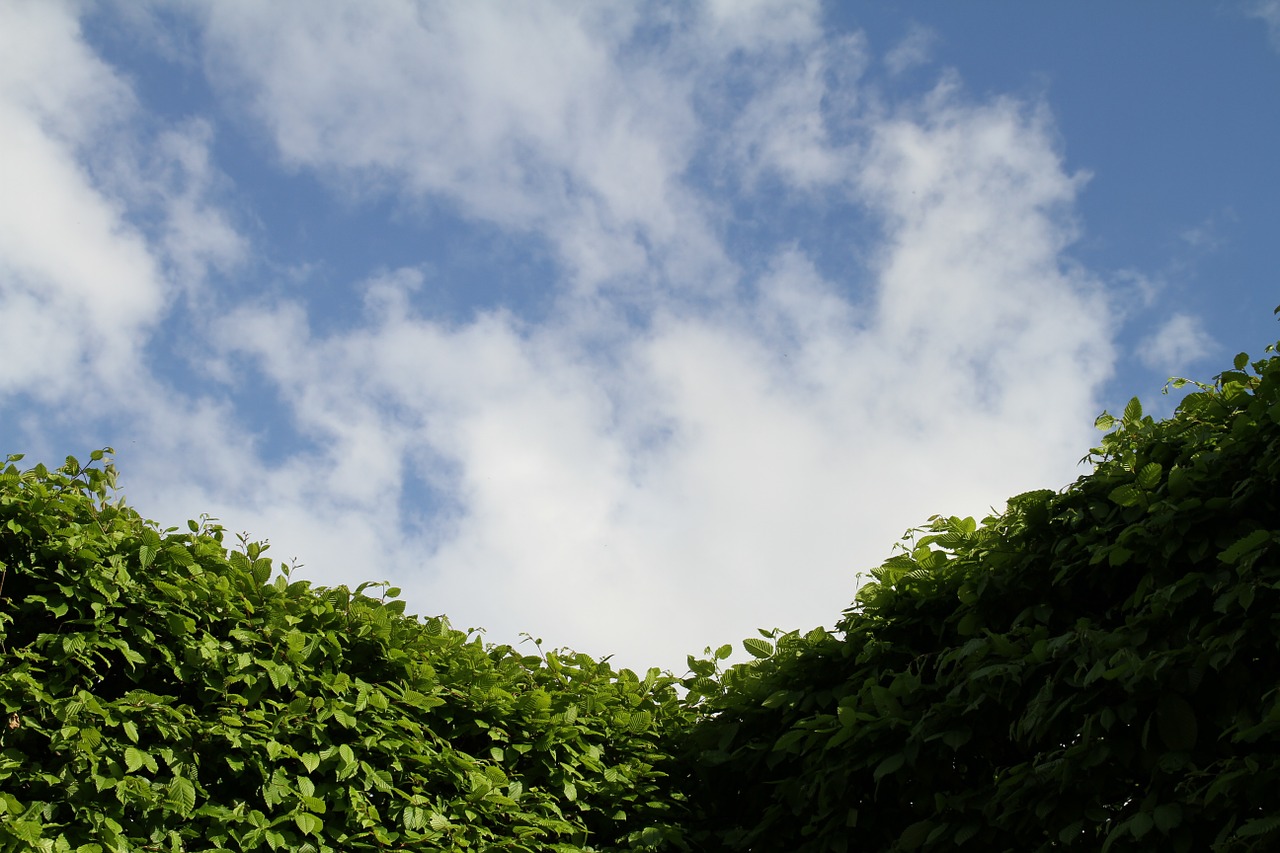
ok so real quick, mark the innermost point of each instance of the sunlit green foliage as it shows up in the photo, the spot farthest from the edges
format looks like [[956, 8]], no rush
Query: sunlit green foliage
[[1093, 669], [161, 692]]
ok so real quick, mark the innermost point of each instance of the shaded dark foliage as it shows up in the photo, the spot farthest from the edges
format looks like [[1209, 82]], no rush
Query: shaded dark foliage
[[1095, 669]]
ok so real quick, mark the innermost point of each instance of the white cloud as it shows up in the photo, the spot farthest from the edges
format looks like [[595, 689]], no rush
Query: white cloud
[[77, 284], [1268, 11], [733, 467], [534, 117], [81, 285], [728, 460], [915, 49], [1175, 345], [783, 128]]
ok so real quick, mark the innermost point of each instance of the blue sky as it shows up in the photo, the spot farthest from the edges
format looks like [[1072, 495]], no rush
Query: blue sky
[[633, 327]]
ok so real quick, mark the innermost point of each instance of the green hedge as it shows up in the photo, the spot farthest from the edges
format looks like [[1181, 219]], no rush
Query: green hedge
[[159, 692], [1093, 669]]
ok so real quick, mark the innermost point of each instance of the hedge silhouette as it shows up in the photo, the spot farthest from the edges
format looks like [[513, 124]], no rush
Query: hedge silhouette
[[1092, 669], [1095, 669]]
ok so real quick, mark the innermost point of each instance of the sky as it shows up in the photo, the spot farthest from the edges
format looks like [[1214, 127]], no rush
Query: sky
[[631, 327]]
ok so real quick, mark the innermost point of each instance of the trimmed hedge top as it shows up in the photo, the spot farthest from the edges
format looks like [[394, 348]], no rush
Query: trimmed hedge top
[[1092, 669]]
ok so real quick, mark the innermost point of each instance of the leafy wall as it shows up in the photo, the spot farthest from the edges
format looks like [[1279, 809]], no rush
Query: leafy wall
[[1096, 668]]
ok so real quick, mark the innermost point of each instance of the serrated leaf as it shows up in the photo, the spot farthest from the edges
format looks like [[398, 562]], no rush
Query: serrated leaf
[[146, 555], [1149, 475], [640, 722], [1245, 545], [308, 824], [171, 590], [1259, 826], [1126, 495], [1133, 411], [758, 648], [180, 796], [135, 759]]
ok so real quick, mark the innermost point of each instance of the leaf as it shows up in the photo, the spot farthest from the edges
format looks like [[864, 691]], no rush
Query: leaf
[[135, 759], [1127, 495], [890, 765], [1133, 411], [180, 796], [308, 824], [1259, 826], [1149, 475], [1167, 816], [1244, 545], [758, 648], [640, 722]]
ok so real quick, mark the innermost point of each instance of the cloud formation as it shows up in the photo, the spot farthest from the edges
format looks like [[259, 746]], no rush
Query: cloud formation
[[695, 440], [1181, 341]]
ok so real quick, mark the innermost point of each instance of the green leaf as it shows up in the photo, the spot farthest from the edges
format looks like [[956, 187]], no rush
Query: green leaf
[[890, 765], [758, 648], [1259, 826], [640, 721], [1167, 816], [1245, 545], [180, 796], [1133, 411], [1149, 475], [1127, 495], [135, 759], [308, 823]]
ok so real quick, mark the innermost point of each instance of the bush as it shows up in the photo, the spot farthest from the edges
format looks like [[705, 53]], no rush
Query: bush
[[161, 692], [1094, 669]]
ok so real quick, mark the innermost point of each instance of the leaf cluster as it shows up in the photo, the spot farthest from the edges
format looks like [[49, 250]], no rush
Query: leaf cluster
[[161, 691], [1092, 669]]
